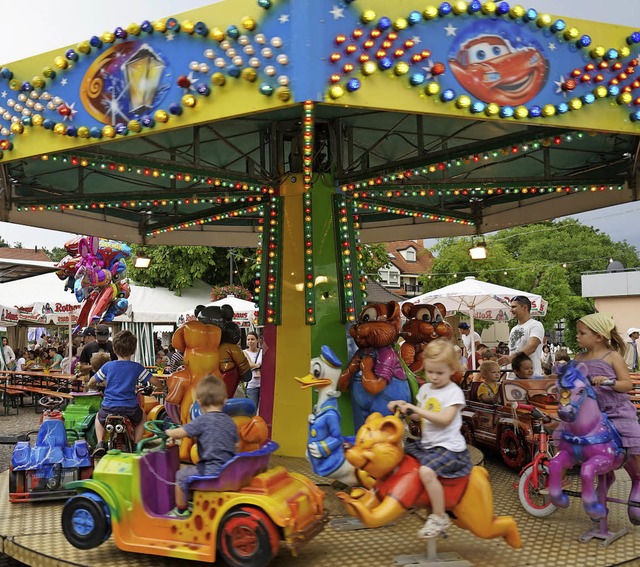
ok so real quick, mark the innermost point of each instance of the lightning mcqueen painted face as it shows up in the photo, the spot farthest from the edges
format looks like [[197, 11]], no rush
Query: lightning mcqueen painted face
[[491, 69]]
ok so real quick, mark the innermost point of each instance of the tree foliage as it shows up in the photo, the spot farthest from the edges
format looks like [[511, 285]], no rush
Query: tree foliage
[[178, 267], [546, 258], [374, 257], [3, 243], [56, 253]]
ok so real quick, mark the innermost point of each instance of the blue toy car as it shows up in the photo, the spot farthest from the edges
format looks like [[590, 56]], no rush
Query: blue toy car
[[40, 471]]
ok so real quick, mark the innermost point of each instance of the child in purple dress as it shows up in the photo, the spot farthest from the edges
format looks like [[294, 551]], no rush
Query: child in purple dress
[[604, 359]]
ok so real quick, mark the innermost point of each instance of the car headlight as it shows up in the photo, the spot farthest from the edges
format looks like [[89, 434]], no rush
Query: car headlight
[[492, 77]]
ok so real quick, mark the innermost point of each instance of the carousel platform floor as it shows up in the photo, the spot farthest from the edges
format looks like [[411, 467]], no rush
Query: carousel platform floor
[[31, 534]]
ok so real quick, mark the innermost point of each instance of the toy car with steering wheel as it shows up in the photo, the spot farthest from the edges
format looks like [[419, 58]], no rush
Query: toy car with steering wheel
[[241, 515], [496, 426]]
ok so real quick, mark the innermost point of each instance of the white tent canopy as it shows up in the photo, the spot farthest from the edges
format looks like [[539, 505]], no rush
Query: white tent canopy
[[161, 305], [43, 300], [480, 300], [146, 304], [244, 312]]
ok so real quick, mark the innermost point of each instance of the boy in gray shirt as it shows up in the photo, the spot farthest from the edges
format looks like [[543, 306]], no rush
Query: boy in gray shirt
[[216, 435]]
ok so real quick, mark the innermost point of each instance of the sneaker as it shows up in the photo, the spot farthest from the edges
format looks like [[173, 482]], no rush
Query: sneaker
[[177, 513], [434, 526], [100, 450]]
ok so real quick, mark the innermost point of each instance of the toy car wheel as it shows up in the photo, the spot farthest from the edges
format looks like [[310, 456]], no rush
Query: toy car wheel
[[512, 449], [535, 499], [247, 538], [16, 482], [86, 522], [467, 433]]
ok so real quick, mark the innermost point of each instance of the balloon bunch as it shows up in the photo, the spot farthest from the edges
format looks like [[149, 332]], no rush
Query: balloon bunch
[[94, 270]]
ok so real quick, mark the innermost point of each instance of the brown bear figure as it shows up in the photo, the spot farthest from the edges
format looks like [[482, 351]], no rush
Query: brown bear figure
[[375, 373], [425, 323]]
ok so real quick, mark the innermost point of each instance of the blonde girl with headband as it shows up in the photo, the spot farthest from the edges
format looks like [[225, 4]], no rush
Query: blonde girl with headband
[[603, 356]]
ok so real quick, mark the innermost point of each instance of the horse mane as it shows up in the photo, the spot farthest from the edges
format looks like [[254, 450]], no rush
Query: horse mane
[[571, 373]]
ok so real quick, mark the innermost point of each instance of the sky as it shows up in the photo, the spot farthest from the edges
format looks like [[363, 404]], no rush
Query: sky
[[84, 19]]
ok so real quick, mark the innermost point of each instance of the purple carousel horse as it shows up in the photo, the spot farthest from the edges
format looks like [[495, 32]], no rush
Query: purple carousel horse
[[587, 436]]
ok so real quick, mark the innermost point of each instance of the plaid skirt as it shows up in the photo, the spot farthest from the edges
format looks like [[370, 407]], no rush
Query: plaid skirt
[[443, 462]]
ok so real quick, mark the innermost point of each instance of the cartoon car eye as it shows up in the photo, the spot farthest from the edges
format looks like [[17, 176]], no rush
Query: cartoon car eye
[[370, 314], [486, 52], [553, 391], [423, 315]]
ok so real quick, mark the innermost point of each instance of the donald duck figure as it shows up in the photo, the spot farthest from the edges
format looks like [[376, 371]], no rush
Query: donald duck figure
[[325, 449]]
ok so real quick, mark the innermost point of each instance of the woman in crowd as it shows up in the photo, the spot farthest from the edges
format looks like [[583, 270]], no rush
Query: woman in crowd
[[20, 360], [7, 356], [547, 359], [254, 356], [30, 360]]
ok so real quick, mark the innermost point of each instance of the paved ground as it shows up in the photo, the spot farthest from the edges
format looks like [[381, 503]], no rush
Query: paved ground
[[11, 425]]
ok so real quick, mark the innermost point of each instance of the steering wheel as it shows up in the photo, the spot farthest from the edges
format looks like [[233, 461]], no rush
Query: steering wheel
[[51, 402], [157, 427]]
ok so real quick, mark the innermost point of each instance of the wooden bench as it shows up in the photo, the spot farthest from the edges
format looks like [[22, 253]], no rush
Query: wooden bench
[[10, 398], [12, 392]]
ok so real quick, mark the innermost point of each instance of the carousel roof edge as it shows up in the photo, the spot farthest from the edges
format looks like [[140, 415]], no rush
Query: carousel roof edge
[[466, 59]]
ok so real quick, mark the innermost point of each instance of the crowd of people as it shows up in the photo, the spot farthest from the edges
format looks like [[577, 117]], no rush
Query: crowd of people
[[528, 355]]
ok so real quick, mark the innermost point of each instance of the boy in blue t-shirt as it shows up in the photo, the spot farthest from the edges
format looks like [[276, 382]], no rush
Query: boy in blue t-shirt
[[216, 435], [121, 377]]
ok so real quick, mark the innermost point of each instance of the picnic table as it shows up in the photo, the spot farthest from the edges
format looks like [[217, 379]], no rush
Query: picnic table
[[16, 384]]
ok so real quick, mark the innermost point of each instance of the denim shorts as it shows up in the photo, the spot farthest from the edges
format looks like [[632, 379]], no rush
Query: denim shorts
[[135, 415]]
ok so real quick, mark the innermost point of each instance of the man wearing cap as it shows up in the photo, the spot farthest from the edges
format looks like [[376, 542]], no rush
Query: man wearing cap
[[527, 336], [465, 335], [91, 346], [631, 353]]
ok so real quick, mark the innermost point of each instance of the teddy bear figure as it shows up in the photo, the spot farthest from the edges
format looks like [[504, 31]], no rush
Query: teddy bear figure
[[425, 323], [375, 374]]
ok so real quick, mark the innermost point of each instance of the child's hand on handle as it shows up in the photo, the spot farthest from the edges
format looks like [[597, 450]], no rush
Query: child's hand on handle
[[395, 405], [405, 408]]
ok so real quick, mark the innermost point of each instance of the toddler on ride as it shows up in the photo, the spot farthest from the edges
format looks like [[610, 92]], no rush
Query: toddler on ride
[[587, 435], [442, 450]]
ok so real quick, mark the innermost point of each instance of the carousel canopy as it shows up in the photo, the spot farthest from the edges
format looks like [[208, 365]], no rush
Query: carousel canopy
[[457, 119]]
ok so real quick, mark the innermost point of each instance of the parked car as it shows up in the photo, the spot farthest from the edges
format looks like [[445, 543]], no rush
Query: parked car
[[241, 515], [497, 426]]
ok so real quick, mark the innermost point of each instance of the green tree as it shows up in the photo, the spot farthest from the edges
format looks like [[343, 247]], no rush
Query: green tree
[[546, 258], [3, 243], [374, 257], [177, 267], [56, 253]]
